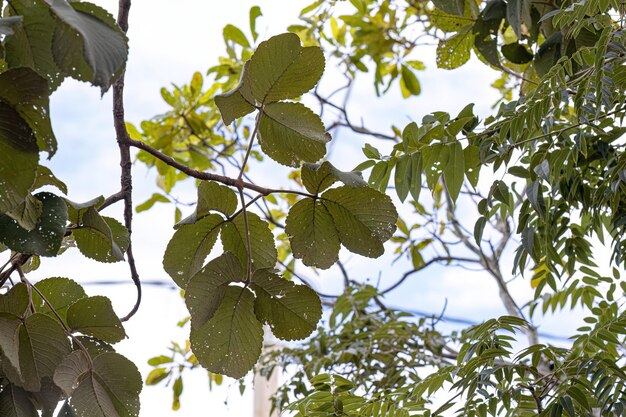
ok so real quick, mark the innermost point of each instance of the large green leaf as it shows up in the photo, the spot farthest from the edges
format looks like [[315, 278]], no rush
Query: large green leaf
[[31, 44], [109, 388], [27, 213], [264, 253], [88, 44], [318, 177], [27, 93], [230, 343], [292, 311], [290, 133], [61, 293], [101, 238], [205, 290], [19, 158], [15, 402], [42, 344], [43, 240], [455, 51], [15, 301], [212, 197], [313, 236], [281, 69], [94, 316], [189, 247], [364, 218]]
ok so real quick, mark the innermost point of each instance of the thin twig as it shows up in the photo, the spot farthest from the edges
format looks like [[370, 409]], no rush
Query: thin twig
[[247, 230], [250, 145], [126, 178]]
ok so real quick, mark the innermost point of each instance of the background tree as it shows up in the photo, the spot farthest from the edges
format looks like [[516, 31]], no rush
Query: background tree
[[556, 150]]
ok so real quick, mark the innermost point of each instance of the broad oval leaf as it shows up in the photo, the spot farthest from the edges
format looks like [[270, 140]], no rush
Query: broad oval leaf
[[264, 253], [455, 51], [15, 301], [88, 28], [212, 197], [292, 311], [101, 238], [281, 69], [236, 103], [94, 316], [19, 157], [230, 343], [189, 247], [15, 402], [108, 389], [205, 290], [61, 293], [45, 239], [27, 93], [290, 133], [364, 218], [312, 234]]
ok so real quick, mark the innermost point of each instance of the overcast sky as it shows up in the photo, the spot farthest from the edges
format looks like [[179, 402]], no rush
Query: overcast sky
[[168, 42]]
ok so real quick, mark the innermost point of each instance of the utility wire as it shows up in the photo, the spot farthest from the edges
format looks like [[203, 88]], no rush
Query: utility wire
[[419, 313]]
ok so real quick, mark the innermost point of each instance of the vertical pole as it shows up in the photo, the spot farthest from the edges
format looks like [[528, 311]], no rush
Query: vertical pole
[[264, 388]]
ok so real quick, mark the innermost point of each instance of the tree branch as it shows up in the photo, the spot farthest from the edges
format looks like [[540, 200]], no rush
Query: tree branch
[[126, 178]]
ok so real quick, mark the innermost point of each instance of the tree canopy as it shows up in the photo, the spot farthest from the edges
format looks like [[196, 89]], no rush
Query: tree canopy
[[543, 177]]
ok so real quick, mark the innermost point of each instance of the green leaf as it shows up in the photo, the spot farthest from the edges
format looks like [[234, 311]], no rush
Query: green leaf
[[15, 402], [255, 12], [230, 343], [455, 7], [454, 170], [403, 175], [42, 345], [75, 211], [212, 197], [281, 69], [46, 177], [455, 51], [205, 290], [109, 388], [27, 93], [15, 301], [30, 45], [318, 177], [101, 238], [46, 238], [514, 16], [157, 375], [364, 218], [516, 53], [312, 234], [189, 247], [292, 311], [27, 213], [290, 133], [236, 103], [94, 316], [471, 154], [234, 34], [147, 205], [479, 228], [61, 293], [264, 253], [88, 44], [448, 22], [410, 81], [416, 176]]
